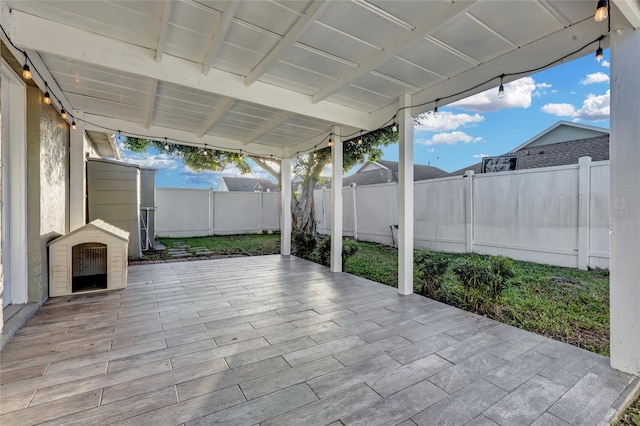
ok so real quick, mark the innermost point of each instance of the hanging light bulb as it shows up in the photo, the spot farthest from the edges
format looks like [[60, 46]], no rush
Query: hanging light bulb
[[394, 128], [360, 138], [73, 124], [501, 88], [26, 72], [47, 98], [602, 11], [599, 54], [166, 145], [330, 141], [435, 109], [63, 114], [205, 152]]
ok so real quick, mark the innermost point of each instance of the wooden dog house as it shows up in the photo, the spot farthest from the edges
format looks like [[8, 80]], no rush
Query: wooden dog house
[[91, 258]]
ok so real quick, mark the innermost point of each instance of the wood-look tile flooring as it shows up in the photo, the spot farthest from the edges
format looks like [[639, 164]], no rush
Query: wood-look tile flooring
[[275, 341]]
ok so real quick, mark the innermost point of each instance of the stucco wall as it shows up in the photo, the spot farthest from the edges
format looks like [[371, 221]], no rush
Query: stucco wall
[[47, 186]]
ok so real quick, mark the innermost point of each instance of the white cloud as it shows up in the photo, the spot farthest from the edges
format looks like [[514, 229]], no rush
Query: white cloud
[[606, 64], [517, 94], [451, 138], [541, 89], [594, 108], [431, 150], [446, 120], [543, 85], [596, 77], [480, 155], [561, 110], [154, 161]]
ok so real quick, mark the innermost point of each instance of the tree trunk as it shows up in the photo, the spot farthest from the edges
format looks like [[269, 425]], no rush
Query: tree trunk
[[302, 218]]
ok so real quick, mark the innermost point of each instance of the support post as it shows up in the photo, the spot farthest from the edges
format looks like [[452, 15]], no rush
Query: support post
[[405, 197], [624, 203], [285, 207], [336, 201], [77, 175], [584, 193]]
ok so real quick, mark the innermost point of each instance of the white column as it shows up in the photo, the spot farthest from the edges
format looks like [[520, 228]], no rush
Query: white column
[[336, 201], [624, 204], [405, 197], [77, 175], [584, 192], [285, 210]]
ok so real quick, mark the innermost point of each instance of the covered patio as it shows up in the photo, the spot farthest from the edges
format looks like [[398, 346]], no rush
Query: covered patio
[[246, 341], [277, 340]]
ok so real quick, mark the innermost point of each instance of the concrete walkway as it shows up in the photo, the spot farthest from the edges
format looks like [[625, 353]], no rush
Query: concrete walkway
[[274, 341]]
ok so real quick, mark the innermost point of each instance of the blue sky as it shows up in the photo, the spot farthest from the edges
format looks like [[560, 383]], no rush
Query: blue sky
[[467, 130]]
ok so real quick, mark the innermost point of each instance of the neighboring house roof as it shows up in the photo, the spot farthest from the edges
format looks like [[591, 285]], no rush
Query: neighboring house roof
[[246, 184], [563, 131], [383, 171], [556, 154]]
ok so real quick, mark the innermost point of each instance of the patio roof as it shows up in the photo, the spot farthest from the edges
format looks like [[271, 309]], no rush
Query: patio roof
[[277, 340], [273, 77]]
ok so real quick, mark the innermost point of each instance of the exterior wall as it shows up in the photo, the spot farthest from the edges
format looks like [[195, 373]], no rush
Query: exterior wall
[[199, 212], [550, 215], [114, 190], [564, 134], [47, 187]]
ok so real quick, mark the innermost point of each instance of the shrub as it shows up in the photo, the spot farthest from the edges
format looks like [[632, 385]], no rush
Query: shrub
[[431, 267], [349, 248], [303, 244], [483, 279]]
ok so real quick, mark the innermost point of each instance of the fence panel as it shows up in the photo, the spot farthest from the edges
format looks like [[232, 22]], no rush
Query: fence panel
[[183, 212], [439, 207], [528, 215], [270, 211], [237, 212]]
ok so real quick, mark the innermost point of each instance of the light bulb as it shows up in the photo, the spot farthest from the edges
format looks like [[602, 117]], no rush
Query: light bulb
[[602, 11], [63, 114], [26, 72], [73, 125], [359, 141], [501, 91], [435, 112], [599, 54], [47, 98], [394, 128]]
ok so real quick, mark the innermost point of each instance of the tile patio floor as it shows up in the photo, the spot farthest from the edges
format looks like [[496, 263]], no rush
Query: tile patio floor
[[274, 341]]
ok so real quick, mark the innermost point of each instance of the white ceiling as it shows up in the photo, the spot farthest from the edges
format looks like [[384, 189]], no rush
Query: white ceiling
[[272, 77]]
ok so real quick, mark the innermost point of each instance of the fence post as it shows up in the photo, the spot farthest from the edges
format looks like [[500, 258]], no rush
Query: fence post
[[584, 201], [469, 210], [212, 225], [355, 212]]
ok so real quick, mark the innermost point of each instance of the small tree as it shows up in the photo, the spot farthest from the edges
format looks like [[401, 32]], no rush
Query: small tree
[[431, 267]]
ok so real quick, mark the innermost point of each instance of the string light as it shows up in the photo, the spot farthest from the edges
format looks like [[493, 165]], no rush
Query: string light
[[599, 52], [330, 141], [602, 10], [26, 72], [602, 13], [501, 88], [205, 150], [47, 98], [63, 114], [166, 145]]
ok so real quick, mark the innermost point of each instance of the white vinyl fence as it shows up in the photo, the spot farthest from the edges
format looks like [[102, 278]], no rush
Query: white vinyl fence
[[201, 212], [555, 215]]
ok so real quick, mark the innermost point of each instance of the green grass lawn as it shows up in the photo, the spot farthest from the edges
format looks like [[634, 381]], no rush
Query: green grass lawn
[[247, 244]]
